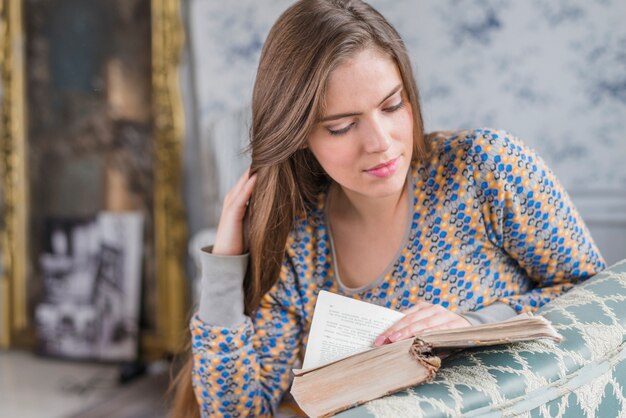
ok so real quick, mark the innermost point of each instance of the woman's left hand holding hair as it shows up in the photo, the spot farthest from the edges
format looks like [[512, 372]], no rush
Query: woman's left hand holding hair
[[423, 317]]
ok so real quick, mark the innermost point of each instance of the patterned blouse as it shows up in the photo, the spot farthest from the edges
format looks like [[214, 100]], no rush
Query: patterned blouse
[[489, 223]]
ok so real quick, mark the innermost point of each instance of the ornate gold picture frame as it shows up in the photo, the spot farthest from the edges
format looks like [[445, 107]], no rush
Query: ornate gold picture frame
[[169, 232]]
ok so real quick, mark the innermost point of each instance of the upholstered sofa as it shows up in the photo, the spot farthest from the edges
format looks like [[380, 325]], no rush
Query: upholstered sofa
[[583, 376]]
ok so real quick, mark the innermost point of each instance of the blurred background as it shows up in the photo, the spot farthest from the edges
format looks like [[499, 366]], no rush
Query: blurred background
[[122, 128]]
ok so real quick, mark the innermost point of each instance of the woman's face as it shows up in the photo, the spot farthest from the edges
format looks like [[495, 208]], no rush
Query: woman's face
[[364, 142]]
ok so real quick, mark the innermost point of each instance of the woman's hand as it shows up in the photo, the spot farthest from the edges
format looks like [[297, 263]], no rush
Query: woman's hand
[[229, 239], [422, 317]]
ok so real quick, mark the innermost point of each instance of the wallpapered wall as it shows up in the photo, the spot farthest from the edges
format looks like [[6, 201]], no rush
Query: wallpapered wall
[[552, 72]]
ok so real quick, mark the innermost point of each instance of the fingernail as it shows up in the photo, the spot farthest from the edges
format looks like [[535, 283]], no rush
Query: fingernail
[[395, 336], [379, 340]]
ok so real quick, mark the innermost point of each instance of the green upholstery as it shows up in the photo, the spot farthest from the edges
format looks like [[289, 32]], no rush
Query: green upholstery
[[583, 376]]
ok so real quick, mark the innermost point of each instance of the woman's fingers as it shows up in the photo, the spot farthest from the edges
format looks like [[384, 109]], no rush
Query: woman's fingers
[[242, 180], [420, 319], [418, 307], [248, 188], [236, 190], [412, 329], [237, 198], [229, 239], [412, 315]]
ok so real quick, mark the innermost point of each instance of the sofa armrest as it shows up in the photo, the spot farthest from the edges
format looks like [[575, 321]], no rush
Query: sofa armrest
[[583, 376]]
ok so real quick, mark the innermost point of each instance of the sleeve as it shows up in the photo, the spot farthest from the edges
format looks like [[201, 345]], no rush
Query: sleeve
[[495, 312], [221, 299], [530, 216], [245, 370]]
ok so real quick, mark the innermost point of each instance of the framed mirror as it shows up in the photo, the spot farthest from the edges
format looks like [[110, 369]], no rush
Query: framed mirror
[[92, 123]]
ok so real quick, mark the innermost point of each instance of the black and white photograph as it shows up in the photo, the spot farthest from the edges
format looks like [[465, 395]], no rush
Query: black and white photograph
[[92, 275], [118, 285], [69, 260]]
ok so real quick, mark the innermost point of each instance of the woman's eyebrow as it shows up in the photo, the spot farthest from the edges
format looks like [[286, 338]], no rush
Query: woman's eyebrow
[[345, 115]]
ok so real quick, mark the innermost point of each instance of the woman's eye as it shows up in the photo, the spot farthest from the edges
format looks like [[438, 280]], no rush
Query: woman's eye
[[394, 107], [340, 131]]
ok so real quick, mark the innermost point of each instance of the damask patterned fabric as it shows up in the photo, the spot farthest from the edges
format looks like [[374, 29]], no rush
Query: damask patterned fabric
[[489, 223], [583, 376]]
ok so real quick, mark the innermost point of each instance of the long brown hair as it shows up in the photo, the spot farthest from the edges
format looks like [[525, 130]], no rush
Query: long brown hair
[[307, 42]]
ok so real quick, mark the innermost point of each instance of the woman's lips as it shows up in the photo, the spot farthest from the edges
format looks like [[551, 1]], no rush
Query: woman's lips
[[385, 169]]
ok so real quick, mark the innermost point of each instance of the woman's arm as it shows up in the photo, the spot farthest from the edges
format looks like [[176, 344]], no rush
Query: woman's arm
[[530, 216], [224, 264], [242, 365]]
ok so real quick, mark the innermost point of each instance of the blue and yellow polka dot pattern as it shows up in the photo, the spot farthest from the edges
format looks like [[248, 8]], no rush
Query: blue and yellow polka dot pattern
[[490, 223]]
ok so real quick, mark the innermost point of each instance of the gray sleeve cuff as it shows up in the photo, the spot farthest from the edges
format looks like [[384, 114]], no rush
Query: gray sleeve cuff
[[493, 313], [221, 299]]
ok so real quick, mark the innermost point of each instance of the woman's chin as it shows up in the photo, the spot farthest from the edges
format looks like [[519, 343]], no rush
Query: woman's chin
[[386, 187]]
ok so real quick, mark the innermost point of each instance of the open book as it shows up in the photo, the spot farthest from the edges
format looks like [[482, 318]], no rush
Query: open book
[[342, 370]]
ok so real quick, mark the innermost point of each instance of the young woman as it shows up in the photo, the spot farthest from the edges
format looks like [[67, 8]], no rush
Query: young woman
[[346, 193]]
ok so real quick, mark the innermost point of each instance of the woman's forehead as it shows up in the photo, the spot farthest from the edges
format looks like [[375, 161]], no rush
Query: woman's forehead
[[362, 81]]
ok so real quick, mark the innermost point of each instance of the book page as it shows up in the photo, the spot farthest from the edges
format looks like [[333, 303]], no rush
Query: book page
[[344, 326]]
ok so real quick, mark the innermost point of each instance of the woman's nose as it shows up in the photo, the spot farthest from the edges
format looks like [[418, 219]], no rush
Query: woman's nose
[[377, 138]]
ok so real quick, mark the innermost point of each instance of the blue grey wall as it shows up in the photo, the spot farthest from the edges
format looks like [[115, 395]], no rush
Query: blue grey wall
[[552, 72]]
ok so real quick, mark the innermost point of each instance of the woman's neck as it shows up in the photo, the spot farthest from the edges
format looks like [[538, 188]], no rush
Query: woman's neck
[[365, 211]]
